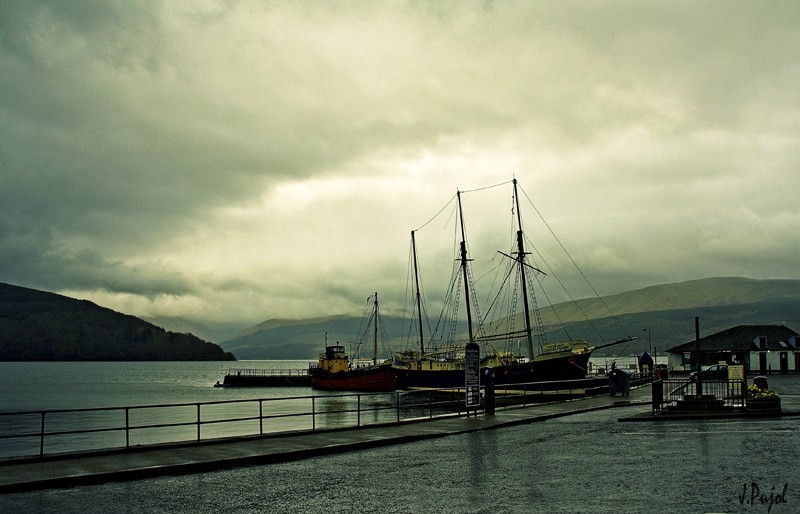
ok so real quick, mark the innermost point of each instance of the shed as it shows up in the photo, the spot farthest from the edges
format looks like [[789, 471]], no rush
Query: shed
[[760, 348]]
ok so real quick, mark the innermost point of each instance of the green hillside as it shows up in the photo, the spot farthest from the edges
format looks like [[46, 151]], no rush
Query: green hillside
[[37, 325]]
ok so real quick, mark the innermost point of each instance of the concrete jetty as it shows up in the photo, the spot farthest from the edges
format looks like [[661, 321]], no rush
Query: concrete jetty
[[137, 463]]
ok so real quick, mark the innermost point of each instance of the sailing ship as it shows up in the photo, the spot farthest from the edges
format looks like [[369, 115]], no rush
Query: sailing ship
[[336, 372], [546, 362]]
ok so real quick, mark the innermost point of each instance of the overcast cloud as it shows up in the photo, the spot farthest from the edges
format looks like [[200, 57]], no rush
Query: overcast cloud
[[249, 160]]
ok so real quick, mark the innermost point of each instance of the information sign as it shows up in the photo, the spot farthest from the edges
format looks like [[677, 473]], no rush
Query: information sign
[[472, 360]]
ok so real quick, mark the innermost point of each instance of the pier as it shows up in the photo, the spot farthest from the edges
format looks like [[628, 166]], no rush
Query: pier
[[239, 377], [67, 470]]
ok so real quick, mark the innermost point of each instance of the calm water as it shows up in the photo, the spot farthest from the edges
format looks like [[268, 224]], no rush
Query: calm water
[[584, 463], [72, 385]]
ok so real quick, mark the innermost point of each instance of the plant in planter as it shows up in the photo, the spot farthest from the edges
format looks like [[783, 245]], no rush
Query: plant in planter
[[762, 399]]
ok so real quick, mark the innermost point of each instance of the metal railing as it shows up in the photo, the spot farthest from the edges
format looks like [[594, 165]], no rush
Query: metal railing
[[50, 432], [250, 372], [714, 393], [515, 395]]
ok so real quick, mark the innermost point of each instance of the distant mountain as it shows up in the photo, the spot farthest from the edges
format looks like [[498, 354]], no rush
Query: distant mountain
[[304, 339], [659, 317], [208, 331], [38, 325]]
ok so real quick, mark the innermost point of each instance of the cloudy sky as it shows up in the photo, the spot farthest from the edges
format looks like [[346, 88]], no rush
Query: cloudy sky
[[244, 160]]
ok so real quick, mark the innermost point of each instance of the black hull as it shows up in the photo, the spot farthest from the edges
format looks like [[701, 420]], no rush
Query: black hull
[[555, 368], [544, 369]]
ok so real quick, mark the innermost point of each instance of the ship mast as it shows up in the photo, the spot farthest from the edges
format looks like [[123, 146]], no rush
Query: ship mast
[[419, 301], [521, 262], [464, 261], [375, 346]]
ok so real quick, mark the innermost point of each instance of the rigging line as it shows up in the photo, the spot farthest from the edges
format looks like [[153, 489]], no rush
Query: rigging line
[[364, 326], [437, 214], [555, 312], [572, 298], [384, 335], [487, 187], [407, 335], [500, 289], [496, 273], [422, 301], [446, 307], [575, 264]]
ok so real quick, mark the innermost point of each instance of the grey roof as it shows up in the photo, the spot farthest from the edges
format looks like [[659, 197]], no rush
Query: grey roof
[[742, 338]]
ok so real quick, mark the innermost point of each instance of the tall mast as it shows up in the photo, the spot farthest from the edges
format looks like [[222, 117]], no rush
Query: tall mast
[[375, 348], [521, 261], [464, 268], [419, 302]]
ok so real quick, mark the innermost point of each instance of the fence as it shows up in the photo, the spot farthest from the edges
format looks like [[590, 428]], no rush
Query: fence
[[50, 432], [716, 393], [251, 372], [40, 433]]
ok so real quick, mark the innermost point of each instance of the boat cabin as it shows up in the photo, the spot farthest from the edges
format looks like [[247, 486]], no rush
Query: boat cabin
[[334, 360]]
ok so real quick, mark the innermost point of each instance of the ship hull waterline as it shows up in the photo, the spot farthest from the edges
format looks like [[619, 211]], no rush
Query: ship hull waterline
[[368, 379], [549, 368]]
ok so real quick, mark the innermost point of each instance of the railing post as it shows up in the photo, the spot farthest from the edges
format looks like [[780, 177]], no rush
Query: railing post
[[198, 422], [41, 437], [397, 404], [127, 429], [260, 417], [358, 410], [313, 413], [488, 395], [430, 405]]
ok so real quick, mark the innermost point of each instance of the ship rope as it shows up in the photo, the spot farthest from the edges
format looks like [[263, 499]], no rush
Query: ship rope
[[580, 271], [364, 330], [412, 326]]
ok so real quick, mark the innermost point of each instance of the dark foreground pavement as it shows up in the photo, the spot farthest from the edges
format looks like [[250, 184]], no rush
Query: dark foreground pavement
[[98, 467]]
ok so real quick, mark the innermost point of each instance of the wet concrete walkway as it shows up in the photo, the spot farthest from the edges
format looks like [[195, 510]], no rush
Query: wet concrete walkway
[[98, 467]]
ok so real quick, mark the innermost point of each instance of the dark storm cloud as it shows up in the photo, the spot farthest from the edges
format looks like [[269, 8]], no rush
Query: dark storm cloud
[[199, 159]]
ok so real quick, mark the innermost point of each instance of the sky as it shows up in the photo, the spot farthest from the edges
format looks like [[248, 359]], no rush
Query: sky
[[237, 161]]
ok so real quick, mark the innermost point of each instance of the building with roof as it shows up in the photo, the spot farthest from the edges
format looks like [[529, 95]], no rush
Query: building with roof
[[760, 348]]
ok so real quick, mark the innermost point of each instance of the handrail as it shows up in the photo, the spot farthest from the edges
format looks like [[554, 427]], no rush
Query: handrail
[[258, 372], [302, 413], [400, 406]]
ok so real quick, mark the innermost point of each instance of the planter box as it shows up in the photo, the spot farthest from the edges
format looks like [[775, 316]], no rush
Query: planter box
[[764, 404]]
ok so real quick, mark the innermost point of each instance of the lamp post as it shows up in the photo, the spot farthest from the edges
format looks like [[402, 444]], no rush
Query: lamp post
[[649, 342]]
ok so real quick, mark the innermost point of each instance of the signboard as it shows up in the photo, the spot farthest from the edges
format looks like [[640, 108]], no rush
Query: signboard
[[472, 361], [736, 372]]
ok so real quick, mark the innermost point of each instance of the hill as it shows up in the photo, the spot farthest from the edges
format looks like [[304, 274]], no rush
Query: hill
[[659, 317], [304, 339], [38, 325]]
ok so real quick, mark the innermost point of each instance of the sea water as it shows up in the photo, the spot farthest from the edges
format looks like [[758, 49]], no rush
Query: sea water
[[75, 385]]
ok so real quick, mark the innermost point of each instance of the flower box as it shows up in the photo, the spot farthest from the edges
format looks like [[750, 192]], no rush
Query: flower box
[[763, 404]]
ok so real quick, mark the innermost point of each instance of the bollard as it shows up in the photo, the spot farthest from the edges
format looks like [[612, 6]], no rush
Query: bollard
[[658, 395], [488, 392]]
